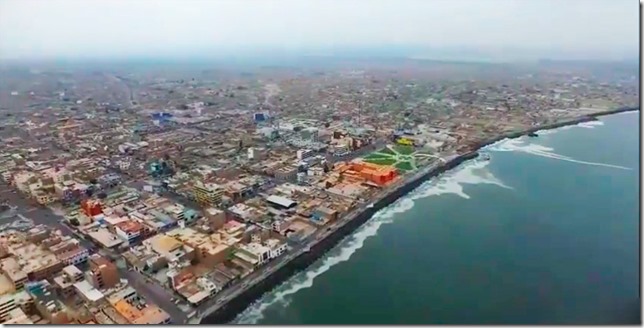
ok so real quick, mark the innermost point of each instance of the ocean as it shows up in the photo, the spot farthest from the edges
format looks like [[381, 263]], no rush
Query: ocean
[[545, 232]]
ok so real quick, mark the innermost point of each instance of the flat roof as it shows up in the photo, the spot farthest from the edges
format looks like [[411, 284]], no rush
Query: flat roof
[[72, 270], [105, 237], [282, 201], [88, 291]]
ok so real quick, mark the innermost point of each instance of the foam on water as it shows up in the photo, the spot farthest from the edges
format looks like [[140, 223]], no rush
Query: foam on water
[[590, 124], [472, 172], [340, 254], [523, 145], [627, 113]]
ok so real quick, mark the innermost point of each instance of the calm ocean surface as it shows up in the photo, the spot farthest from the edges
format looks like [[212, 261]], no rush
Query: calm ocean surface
[[546, 232]]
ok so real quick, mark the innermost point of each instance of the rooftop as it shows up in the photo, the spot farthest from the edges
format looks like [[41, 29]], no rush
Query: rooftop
[[282, 201], [88, 291]]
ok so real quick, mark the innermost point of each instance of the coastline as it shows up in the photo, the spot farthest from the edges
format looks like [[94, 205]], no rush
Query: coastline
[[238, 301]]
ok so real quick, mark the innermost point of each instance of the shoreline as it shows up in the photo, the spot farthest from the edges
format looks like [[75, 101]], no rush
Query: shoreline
[[291, 264]]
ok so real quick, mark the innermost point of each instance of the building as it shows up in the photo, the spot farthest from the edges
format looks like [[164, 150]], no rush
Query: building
[[152, 315], [74, 256], [91, 208], [303, 154], [42, 197], [378, 174], [255, 153], [7, 304], [281, 202], [90, 295], [171, 249], [405, 141], [208, 251], [132, 310], [276, 247], [47, 304], [254, 253], [216, 218], [129, 231], [209, 193], [13, 272], [286, 173], [323, 215], [105, 238], [102, 273], [16, 317]]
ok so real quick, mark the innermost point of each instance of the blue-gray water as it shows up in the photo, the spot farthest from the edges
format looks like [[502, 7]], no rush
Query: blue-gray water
[[544, 233]]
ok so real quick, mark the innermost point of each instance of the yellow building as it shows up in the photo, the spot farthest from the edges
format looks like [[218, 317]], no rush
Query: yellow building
[[405, 142], [208, 194]]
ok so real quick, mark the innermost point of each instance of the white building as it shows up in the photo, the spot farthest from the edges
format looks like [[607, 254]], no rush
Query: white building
[[88, 293], [255, 153], [255, 252], [303, 154], [276, 247], [76, 257]]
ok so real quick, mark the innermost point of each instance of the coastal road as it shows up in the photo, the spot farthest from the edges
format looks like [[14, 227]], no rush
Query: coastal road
[[233, 291]]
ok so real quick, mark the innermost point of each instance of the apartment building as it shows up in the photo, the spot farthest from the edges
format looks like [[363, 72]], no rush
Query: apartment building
[[208, 193], [102, 273]]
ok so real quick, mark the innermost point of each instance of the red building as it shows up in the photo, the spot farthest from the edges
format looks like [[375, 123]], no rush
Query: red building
[[91, 207]]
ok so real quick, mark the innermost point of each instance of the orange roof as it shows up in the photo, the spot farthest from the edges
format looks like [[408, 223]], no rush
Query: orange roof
[[128, 311], [151, 315], [129, 226]]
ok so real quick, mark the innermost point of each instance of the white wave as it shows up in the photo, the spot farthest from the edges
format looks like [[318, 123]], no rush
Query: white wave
[[626, 113], [522, 145], [340, 254], [471, 172], [586, 125], [545, 132], [590, 124]]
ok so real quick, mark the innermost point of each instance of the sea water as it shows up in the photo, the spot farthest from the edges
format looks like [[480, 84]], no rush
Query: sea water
[[546, 232]]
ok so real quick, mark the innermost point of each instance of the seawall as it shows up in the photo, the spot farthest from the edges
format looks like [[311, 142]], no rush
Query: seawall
[[238, 304], [574, 121]]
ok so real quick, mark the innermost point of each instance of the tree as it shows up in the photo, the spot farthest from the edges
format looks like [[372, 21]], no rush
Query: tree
[[231, 254]]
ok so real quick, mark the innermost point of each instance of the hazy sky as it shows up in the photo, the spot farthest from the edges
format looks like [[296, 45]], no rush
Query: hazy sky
[[106, 28]]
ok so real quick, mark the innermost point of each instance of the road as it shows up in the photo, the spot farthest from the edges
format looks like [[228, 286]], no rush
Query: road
[[233, 291], [156, 293], [151, 291]]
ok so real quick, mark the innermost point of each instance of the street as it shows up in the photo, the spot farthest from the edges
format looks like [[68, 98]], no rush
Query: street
[[151, 291], [231, 292], [155, 293]]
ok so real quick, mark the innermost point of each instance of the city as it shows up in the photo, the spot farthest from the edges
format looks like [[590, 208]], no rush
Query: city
[[148, 197]]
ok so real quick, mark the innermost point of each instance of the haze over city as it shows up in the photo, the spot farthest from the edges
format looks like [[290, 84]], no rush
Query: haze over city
[[319, 162], [498, 29]]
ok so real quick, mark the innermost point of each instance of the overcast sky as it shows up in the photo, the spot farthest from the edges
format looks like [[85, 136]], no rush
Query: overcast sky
[[121, 28]]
